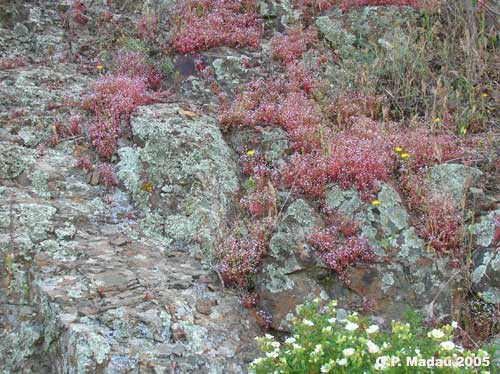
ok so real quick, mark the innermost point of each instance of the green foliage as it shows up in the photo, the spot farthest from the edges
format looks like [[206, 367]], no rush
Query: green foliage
[[167, 67], [250, 184], [133, 45], [426, 67], [322, 344]]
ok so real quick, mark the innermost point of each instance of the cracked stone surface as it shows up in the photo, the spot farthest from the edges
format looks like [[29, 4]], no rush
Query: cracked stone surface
[[83, 288], [96, 280]]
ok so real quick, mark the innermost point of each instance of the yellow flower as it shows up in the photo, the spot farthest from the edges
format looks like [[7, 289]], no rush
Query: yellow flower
[[147, 187], [376, 202], [405, 155], [99, 67], [250, 152], [484, 94], [399, 149], [437, 120]]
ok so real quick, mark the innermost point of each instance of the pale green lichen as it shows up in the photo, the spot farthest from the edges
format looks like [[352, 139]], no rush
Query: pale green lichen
[[387, 281], [4, 217], [14, 160], [39, 181], [49, 312], [484, 231], [229, 69], [419, 288], [278, 279], [392, 215], [67, 232], [188, 163], [301, 213], [281, 244], [37, 219], [491, 295], [495, 263], [100, 348], [333, 30], [19, 281], [412, 245], [452, 180], [346, 202], [291, 14], [478, 273], [295, 227], [60, 251], [90, 348], [196, 336], [18, 345], [275, 144], [129, 172]]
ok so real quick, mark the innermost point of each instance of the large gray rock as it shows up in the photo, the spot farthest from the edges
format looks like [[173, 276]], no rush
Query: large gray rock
[[453, 180], [14, 160], [404, 275], [289, 274], [182, 175], [83, 292], [83, 289], [358, 34], [486, 273], [111, 303]]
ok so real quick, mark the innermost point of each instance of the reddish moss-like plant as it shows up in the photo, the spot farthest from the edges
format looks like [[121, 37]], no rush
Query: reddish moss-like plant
[[321, 4], [240, 254], [427, 149], [240, 257], [104, 135], [147, 28], [107, 175], [261, 202], [347, 4], [340, 246], [135, 65], [85, 164], [249, 300], [72, 128], [358, 157], [77, 13], [442, 226], [292, 45], [205, 24], [113, 98], [344, 110], [8, 63], [117, 95], [496, 235], [286, 103]]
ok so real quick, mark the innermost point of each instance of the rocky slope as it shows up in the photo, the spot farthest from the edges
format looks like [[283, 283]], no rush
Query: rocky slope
[[103, 279]]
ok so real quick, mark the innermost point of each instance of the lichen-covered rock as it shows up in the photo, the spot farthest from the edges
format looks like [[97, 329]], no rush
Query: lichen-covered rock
[[229, 69], [486, 273], [288, 276], [36, 219], [83, 288], [355, 36], [405, 274], [453, 180], [81, 296], [14, 160], [182, 175], [295, 226]]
